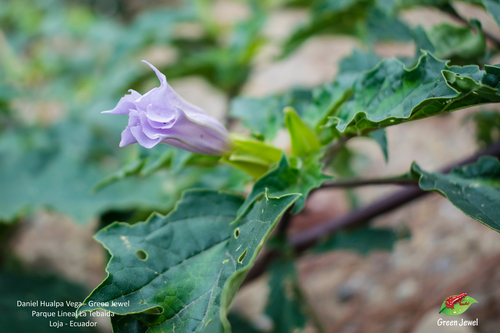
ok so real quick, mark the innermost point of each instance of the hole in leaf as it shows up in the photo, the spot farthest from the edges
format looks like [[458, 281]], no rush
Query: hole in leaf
[[236, 232], [242, 256], [141, 254], [156, 310]]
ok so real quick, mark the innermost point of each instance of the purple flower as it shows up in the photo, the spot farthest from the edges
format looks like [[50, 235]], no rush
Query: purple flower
[[162, 116]]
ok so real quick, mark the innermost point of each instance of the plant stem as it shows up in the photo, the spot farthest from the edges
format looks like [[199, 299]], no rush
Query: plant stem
[[364, 215], [358, 217], [334, 148]]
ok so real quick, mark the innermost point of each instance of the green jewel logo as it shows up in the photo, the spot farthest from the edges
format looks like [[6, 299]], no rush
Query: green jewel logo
[[457, 304]]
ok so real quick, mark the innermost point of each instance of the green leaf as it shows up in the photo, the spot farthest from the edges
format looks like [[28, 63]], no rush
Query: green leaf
[[394, 6], [390, 94], [359, 18], [342, 17], [132, 168], [380, 137], [57, 168], [474, 189], [16, 287], [462, 45], [240, 324], [384, 27], [54, 168], [127, 324], [304, 141], [188, 265], [493, 7], [362, 240], [287, 304], [457, 308], [164, 158], [487, 125], [264, 116], [228, 66], [329, 98], [294, 175]]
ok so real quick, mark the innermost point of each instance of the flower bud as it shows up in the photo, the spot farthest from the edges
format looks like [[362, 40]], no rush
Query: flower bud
[[162, 116]]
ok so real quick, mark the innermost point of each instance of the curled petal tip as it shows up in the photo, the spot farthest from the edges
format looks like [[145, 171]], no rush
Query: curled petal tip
[[161, 76]]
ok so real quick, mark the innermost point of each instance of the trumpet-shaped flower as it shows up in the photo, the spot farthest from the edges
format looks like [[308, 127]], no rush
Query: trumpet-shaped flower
[[162, 116]]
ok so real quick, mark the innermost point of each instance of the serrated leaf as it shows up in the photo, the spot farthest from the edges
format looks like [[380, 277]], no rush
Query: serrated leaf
[[462, 45], [304, 141], [264, 116], [361, 240], [287, 304], [457, 308], [390, 94], [294, 175], [330, 97], [188, 265], [474, 189]]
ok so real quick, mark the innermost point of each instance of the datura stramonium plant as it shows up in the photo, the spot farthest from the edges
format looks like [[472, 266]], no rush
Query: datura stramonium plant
[[162, 116]]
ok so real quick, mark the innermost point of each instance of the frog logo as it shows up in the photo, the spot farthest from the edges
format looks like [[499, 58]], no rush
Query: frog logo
[[457, 304]]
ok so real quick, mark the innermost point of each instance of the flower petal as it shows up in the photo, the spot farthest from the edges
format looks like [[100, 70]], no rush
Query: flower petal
[[161, 115], [164, 114], [126, 103], [127, 137], [199, 137], [161, 76], [168, 98], [142, 138]]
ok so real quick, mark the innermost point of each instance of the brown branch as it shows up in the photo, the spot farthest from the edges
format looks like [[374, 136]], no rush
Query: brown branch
[[358, 217], [387, 204]]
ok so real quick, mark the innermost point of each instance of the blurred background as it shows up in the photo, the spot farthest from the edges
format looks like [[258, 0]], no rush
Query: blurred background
[[63, 177]]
